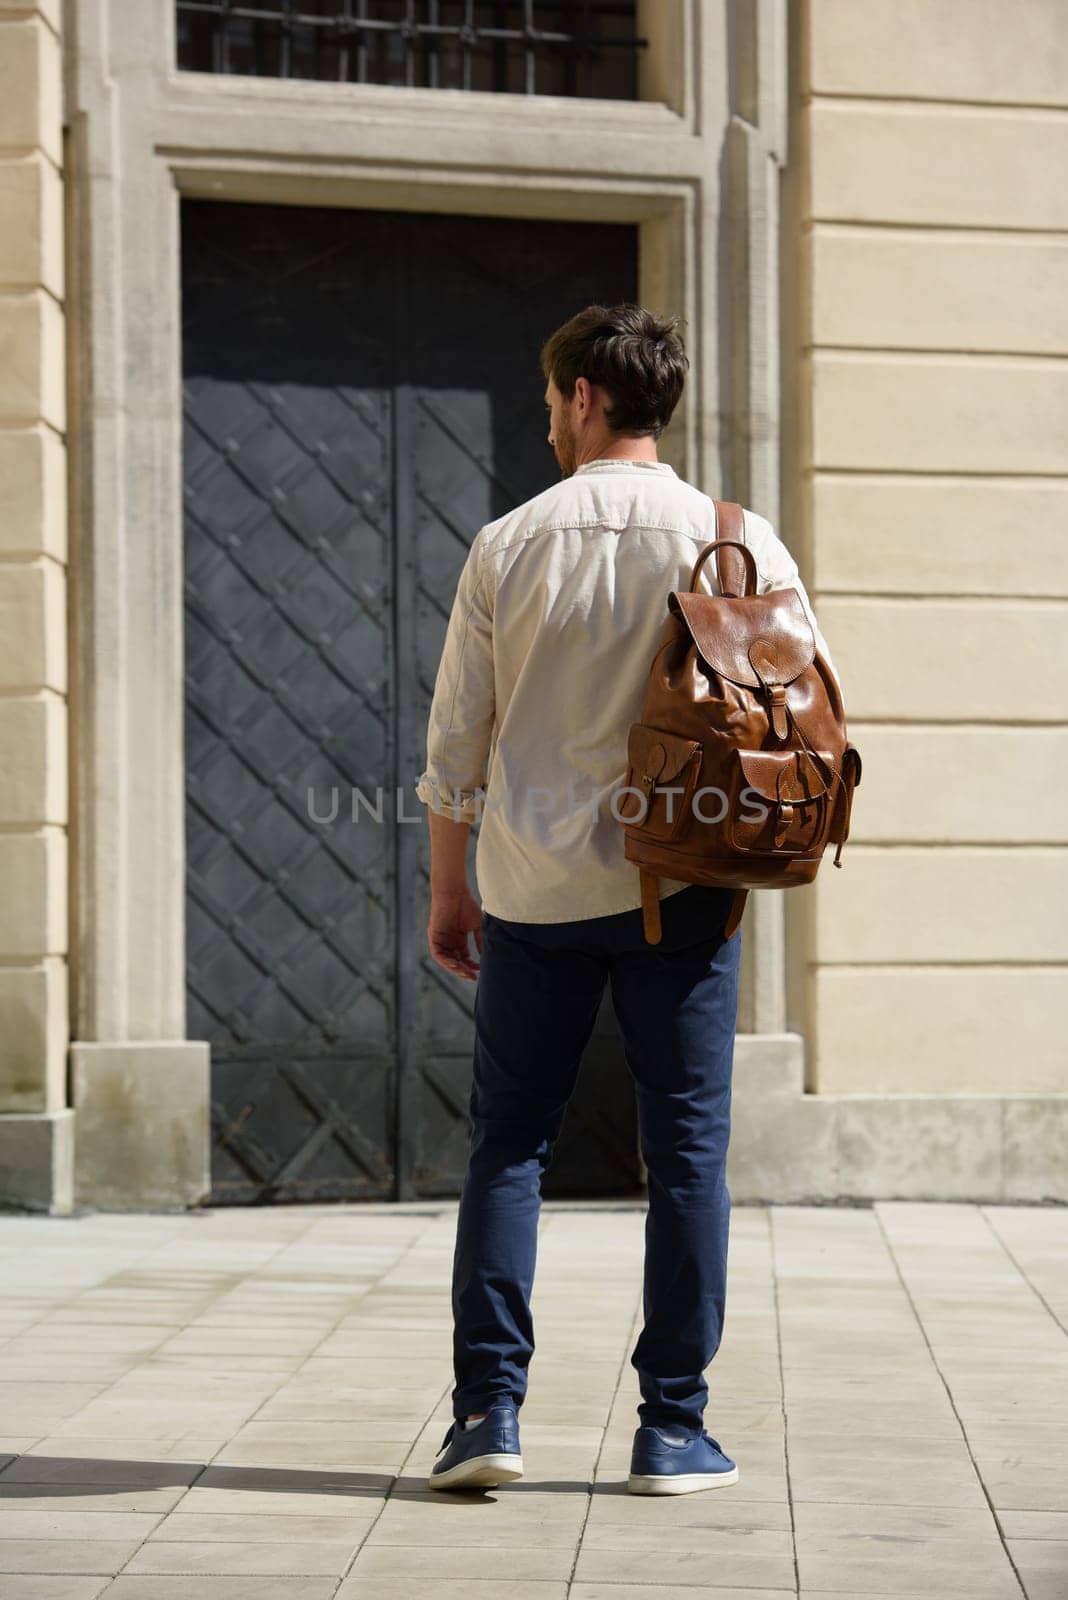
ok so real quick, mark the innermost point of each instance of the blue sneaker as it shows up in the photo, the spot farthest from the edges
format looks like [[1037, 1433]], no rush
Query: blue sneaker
[[482, 1456], [667, 1462]]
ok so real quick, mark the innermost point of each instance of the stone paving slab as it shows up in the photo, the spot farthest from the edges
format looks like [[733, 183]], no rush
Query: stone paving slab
[[376, 1588], [202, 1587], [710, 1588], [51, 1587], [244, 1405]]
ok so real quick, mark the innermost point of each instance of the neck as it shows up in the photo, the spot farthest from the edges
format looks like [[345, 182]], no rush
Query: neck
[[618, 447]]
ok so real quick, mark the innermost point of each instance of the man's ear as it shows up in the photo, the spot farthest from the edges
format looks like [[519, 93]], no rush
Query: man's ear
[[584, 395]]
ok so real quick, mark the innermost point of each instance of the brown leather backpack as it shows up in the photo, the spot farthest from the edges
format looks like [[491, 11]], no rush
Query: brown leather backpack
[[740, 772]]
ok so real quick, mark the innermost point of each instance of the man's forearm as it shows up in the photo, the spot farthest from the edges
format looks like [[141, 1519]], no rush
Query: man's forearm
[[448, 853]]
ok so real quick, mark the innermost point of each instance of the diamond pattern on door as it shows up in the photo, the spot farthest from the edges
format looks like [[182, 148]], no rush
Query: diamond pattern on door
[[361, 395]]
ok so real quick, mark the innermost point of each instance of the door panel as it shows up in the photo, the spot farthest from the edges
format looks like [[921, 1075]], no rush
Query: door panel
[[362, 394]]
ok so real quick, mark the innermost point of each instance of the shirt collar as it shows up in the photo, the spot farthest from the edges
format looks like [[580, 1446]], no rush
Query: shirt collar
[[618, 464]]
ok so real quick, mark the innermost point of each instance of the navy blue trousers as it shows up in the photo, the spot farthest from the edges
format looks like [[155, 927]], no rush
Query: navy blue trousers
[[538, 992]]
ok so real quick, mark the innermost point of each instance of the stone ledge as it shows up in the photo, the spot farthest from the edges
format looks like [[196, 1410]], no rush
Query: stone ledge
[[143, 1137], [790, 1147], [37, 1161]]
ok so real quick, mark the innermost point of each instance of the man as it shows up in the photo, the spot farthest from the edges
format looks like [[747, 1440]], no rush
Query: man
[[558, 612]]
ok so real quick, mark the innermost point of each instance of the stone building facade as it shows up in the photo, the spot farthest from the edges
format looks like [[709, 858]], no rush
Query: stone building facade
[[860, 211]]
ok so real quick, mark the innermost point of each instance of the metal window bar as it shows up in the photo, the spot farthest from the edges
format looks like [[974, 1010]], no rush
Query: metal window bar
[[466, 36], [346, 40]]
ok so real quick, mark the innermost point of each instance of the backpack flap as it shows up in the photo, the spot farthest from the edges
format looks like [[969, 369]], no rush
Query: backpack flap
[[781, 800], [760, 641]]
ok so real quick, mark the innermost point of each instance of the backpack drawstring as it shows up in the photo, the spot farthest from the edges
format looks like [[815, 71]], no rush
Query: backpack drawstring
[[823, 761]]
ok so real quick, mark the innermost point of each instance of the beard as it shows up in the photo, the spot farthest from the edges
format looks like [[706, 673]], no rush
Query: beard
[[564, 448]]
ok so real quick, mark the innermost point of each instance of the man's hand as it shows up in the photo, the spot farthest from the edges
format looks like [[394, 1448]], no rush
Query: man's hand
[[454, 915], [454, 911]]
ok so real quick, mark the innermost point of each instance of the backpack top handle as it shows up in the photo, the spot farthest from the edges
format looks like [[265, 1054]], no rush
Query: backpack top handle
[[736, 580]]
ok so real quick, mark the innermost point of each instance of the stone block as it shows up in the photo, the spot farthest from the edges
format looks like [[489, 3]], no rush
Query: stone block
[[940, 1030], [31, 224], [33, 771], [768, 1065], [144, 1131], [972, 785], [34, 1030], [937, 1147], [31, 85], [33, 625], [937, 413], [879, 533], [959, 904], [955, 50], [782, 1151], [937, 165], [794, 1148], [915, 290], [32, 361], [780, 1141], [37, 1161], [33, 909], [1036, 1148], [33, 493], [966, 660]]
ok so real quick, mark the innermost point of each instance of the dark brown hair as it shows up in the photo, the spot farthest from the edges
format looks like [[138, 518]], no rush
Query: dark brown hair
[[637, 357]]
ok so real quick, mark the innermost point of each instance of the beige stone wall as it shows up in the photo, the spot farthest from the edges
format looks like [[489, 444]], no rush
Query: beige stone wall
[[929, 331], [33, 555]]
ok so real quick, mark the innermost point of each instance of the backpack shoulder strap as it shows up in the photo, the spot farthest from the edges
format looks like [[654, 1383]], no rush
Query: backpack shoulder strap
[[730, 563], [734, 916]]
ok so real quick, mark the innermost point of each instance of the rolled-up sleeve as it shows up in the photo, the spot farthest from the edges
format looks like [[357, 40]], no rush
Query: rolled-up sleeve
[[460, 729]]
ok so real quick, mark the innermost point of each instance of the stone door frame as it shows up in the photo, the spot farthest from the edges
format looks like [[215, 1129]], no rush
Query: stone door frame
[[697, 173]]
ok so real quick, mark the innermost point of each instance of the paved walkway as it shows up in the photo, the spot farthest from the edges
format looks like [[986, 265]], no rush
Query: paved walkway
[[242, 1405]]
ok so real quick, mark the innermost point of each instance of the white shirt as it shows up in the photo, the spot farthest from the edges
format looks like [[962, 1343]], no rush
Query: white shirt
[[558, 612]]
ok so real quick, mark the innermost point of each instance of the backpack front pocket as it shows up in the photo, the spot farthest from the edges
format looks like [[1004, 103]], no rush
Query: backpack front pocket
[[780, 802], [662, 773]]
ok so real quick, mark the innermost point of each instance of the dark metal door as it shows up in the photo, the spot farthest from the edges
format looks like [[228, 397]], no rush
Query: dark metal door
[[362, 393]]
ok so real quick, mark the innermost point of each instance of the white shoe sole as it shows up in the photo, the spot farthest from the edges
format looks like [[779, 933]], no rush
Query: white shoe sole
[[679, 1482], [480, 1472]]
